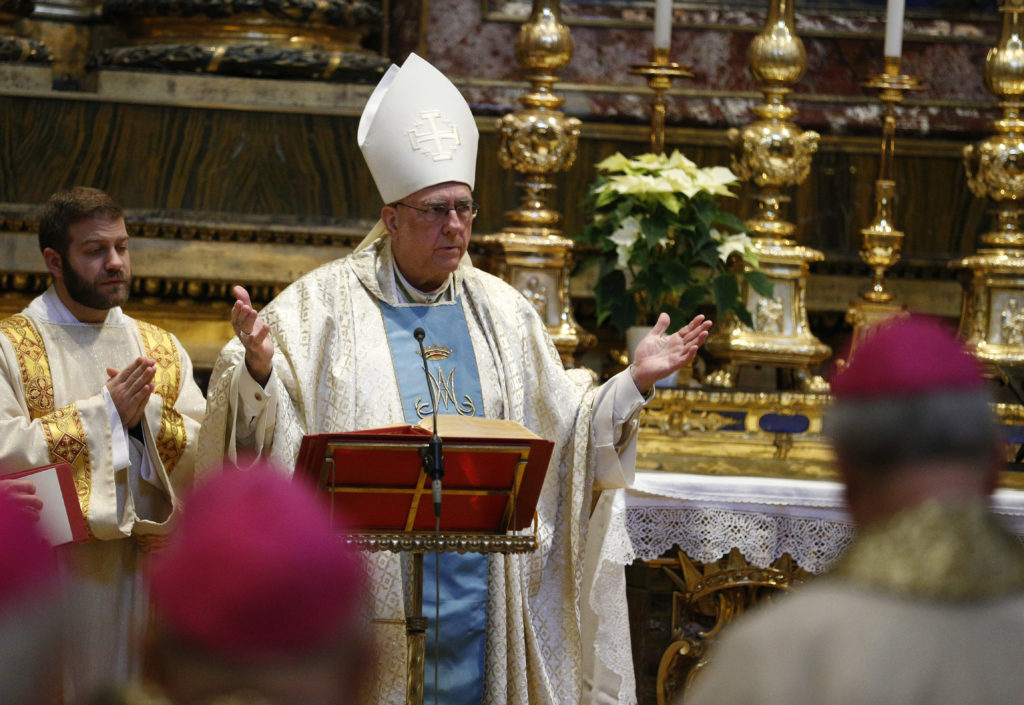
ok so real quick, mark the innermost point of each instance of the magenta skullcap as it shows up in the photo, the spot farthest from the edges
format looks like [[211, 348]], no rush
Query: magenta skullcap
[[27, 561], [909, 355], [255, 569]]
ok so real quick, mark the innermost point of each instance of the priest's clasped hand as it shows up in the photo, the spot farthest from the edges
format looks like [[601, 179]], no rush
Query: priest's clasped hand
[[254, 334], [129, 389], [659, 355]]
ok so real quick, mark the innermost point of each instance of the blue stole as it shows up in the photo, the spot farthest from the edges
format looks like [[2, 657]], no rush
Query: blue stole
[[463, 577]]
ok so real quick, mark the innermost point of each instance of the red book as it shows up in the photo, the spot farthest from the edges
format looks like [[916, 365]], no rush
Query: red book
[[494, 471], [61, 519]]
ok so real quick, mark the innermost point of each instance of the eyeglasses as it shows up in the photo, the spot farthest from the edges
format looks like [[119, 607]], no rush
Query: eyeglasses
[[439, 213]]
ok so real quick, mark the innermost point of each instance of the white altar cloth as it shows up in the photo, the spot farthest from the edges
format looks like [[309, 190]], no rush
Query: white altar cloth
[[709, 515]]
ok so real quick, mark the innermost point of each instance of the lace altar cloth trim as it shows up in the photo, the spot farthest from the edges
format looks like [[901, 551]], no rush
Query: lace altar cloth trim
[[706, 534], [707, 516]]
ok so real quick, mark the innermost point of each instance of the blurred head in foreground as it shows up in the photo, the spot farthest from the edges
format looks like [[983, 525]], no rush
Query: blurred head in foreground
[[258, 598], [31, 608], [911, 420]]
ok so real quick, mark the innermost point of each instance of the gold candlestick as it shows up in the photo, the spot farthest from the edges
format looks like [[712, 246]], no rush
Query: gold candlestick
[[881, 242], [659, 72], [538, 141], [991, 321], [772, 154]]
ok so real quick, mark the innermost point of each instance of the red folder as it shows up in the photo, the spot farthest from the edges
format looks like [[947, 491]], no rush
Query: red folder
[[494, 471], [61, 518]]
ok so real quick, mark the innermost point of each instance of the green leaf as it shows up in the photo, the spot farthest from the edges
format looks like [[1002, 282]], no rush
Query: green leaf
[[654, 229], [587, 262], [670, 201], [705, 209], [604, 198], [726, 292], [760, 283], [729, 221], [610, 284], [675, 274], [614, 303], [701, 236], [691, 299], [623, 208], [743, 314]]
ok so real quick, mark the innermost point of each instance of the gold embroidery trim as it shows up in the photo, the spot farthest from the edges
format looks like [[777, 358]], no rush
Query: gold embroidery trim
[[172, 438], [938, 551], [63, 427]]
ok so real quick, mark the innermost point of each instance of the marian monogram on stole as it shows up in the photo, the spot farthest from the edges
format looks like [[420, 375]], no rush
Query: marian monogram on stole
[[448, 353], [444, 388]]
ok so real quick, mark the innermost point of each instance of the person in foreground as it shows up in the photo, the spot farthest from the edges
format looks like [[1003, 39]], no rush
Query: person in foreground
[[82, 383], [32, 608], [336, 352], [257, 601], [926, 607]]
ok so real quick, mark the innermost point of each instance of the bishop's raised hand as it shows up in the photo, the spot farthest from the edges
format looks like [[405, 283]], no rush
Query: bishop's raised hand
[[254, 334]]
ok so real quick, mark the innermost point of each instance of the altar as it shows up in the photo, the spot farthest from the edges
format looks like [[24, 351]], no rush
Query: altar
[[726, 542]]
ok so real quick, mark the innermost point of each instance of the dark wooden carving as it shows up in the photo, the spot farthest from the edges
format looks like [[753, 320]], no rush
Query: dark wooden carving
[[304, 39], [15, 49], [247, 60]]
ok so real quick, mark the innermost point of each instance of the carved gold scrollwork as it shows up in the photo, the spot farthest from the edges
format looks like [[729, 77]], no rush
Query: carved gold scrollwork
[[995, 168], [535, 141], [708, 597], [772, 153]]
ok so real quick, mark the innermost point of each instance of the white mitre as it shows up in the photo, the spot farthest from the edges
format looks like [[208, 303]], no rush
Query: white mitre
[[417, 131]]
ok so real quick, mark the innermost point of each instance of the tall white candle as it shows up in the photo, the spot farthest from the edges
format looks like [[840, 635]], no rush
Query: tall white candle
[[894, 28], [662, 24]]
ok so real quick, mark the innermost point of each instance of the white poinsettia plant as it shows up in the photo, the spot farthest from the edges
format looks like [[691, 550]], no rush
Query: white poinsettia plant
[[663, 244]]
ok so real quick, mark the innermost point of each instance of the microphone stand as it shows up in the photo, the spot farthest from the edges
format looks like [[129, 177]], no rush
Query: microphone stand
[[433, 467], [433, 458]]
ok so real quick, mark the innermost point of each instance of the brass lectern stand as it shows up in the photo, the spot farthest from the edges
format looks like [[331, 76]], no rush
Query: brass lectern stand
[[494, 473]]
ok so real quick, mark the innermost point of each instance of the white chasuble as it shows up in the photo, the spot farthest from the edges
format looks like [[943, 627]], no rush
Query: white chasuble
[[333, 372], [52, 409]]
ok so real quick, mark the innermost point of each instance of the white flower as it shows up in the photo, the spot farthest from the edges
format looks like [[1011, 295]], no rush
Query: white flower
[[735, 242], [677, 160], [715, 179], [624, 238]]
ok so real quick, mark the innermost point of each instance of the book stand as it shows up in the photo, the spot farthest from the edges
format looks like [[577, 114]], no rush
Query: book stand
[[374, 480]]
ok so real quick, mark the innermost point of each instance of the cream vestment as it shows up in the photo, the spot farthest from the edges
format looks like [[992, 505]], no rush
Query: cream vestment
[[927, 609], [54, 407], [332, 372]]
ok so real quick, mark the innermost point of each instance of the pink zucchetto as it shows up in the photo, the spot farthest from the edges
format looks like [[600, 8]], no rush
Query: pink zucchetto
[[27, 562], [255, 570], [910, 355]]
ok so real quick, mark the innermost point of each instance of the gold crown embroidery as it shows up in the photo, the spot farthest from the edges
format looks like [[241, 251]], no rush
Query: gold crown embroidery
[[436, 352]]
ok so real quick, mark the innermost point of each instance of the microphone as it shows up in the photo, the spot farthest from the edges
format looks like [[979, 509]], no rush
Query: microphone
[[433, 458]]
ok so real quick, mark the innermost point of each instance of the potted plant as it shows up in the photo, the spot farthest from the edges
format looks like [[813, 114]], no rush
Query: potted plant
[[662, 243]]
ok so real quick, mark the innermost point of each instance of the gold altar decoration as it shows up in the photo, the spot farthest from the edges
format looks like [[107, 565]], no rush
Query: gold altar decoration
[[882, 243], [992, 318], [708, 597], [659, 72], [773, 154], [538, 141], [763, 434], [307, 39]]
